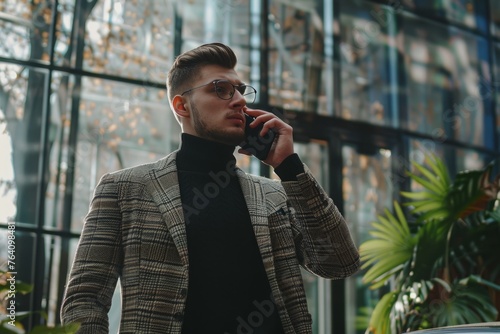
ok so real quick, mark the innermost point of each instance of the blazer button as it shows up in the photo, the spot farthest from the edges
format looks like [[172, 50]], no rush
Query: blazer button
[[179, 316], [184, 292]]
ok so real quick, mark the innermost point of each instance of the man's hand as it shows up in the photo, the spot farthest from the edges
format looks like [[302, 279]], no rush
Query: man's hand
[[283, 143]]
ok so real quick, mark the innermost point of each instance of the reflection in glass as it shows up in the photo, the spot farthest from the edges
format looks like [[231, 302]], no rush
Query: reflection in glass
[[119, 125], [63, 32], [21, 112], [466, 12], [21, 268], [129, 38], [447, 80], [223, 21], [7, 183], [24, 27], [368, 64], [419, 151], [494, 17], [470, 160], [126, 126], [367, 190], [495, 91], [297, 72], [315, 156]]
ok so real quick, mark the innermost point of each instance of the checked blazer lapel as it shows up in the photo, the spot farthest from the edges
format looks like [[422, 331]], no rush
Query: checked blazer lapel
[[255, 197], [166, 194], [256, 204]]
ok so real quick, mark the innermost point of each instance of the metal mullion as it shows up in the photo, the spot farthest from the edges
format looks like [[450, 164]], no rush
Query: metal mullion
[[80, 72], [264, 66], [78, 31], [397, 6], [39, 264], [494, 79], [337, 74]]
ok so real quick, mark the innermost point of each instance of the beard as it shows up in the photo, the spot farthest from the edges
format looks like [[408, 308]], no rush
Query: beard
[[218, 135]]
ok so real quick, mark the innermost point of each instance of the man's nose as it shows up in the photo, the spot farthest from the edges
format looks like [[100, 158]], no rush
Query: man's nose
[[238, 98]]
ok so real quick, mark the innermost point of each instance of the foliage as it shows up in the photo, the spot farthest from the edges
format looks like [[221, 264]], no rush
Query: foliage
[[6, 326], [442, 258]]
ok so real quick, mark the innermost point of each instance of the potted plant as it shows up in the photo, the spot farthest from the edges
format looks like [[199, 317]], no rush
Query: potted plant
[[441, 256]]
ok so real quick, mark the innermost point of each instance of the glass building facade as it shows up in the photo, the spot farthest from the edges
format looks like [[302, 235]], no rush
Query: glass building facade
[[367, 85]]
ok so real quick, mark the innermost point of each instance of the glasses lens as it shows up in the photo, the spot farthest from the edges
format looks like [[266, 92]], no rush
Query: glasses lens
[[224, 89], [248, 93]]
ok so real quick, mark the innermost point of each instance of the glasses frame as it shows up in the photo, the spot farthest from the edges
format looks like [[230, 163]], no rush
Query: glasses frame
[[235, 87]]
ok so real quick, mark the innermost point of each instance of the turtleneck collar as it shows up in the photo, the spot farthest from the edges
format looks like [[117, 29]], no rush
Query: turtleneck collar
[[202, 155]]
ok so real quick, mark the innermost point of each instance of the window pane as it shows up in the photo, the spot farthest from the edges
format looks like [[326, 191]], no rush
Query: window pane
[[297, 71], [315, 156], [126, 126], [21, 117], [7, 182], [20, 268], [64, 28], [215, 20], [129, 38], [56, 257], [118, 125], [249, 164], [470, 13], [318, 290], [419, 150], [470, 160], [367, 190], [455, 159], [495, 90], [368, 64], [447, 80], [24, 27], [228, 22], [495, 17]]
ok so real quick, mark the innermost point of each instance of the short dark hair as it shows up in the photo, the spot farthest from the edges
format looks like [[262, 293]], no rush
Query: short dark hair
[[188, 64]]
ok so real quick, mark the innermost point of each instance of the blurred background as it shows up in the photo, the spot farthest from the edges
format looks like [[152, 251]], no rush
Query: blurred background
[[367, 85]]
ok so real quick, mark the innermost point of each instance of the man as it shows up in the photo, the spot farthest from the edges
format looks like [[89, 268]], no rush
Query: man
[[200, 246]]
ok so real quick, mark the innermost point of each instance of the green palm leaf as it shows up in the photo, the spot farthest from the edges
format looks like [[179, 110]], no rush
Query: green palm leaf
[[391, 246], [464, 304], [430, 247], [456, 235], [472, 192], [380, 321], [435, 181]]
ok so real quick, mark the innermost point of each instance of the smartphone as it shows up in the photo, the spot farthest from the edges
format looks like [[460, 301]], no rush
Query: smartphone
[[254, 143]]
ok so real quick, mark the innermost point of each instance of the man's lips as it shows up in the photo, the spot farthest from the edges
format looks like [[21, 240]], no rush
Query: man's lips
[[237, 117]]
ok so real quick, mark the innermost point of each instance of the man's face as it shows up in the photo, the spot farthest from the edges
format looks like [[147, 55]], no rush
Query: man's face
[[211, 117]]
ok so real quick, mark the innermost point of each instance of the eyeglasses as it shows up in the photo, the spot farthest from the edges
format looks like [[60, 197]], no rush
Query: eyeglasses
[[225, 90]]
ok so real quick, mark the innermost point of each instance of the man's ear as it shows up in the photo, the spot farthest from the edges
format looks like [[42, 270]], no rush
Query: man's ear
[[179, 105]]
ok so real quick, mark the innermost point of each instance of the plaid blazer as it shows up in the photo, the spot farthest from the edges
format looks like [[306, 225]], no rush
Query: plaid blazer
[[135, 232]]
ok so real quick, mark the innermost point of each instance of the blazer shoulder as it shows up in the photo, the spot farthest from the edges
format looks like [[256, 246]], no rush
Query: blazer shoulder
[[140, 173], [267, 183], [272, 190]]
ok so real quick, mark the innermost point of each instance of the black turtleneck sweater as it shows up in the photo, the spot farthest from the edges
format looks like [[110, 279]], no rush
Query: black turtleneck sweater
[[228, 288]]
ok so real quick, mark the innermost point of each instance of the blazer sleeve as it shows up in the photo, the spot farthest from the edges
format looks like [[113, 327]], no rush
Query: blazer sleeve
[[97, 263], [322, 239]]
